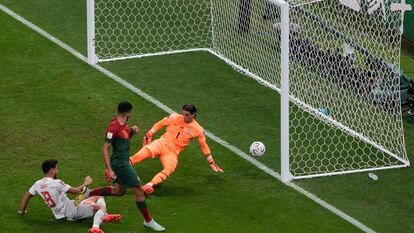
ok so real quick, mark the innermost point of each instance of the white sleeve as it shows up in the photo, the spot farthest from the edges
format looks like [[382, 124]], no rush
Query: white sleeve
[[62, 187], [32, 190]]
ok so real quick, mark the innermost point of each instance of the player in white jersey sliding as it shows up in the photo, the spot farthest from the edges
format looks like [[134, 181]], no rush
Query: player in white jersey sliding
[[53, 191]]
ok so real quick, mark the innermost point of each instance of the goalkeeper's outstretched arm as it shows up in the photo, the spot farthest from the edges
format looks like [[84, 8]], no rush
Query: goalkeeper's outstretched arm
[[206, 151], [155, 128]]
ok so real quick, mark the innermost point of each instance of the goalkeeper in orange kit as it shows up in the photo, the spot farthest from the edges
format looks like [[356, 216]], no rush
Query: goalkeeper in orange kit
[[181, 129]]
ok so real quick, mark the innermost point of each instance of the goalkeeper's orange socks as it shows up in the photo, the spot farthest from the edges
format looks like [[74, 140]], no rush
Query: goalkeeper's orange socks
[[159, 178], [142, 206]]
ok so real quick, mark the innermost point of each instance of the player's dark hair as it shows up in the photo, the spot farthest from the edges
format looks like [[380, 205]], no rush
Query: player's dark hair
[[48, 164], [124, 107], [190, 108]]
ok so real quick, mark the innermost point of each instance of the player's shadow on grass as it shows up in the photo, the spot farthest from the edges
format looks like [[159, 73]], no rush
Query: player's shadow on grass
[[168, 190], [188, 188], [59, 225]]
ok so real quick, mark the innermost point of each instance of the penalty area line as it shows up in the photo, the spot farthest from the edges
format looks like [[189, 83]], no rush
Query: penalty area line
[[162, 106]]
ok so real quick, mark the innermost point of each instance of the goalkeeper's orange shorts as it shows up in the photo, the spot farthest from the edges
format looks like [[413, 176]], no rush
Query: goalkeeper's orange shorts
[[160, 147]]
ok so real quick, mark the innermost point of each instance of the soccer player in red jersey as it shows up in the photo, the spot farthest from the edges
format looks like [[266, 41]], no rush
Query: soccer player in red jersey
[[118, 167]]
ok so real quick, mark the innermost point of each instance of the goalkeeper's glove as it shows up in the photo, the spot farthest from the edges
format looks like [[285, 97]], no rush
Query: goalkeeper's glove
[[213, 165], [147, 138]]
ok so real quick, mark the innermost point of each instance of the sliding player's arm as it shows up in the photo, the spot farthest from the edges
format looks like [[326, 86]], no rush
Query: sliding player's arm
[[206, 151], [25, 201], [155, 128], [76, 190]]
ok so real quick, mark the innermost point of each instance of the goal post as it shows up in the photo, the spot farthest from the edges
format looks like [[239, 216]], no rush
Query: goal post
[[334, 63], [90, 9], [286, 176]]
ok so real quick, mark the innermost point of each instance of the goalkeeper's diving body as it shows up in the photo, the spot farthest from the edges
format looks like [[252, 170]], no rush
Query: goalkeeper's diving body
[[181, 129]]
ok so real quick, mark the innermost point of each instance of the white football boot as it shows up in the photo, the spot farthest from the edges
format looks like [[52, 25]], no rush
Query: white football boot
[[154, 225]]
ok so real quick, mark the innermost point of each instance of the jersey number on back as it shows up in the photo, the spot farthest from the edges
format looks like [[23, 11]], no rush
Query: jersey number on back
[[48, 199]]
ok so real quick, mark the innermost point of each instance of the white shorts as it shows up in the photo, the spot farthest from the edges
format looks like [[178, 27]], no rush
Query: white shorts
[[83, 210]]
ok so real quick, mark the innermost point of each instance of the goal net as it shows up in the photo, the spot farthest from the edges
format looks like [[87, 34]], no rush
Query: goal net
[[344, 110]]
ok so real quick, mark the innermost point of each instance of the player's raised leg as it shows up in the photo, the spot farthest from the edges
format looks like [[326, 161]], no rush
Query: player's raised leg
[[100, 202], [143, 154], [99, 214], [169, 162], [93, 206], [114, 190]]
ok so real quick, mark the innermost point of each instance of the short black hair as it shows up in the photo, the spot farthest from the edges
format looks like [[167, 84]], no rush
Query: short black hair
[[124, 107], [48, 164], [190, 108]]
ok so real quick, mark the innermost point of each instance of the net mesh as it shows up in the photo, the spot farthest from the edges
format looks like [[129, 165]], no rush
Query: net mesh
[[345, 71]]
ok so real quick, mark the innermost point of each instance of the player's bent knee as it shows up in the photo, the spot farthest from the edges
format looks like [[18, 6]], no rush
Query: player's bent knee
[[97, 207], [94, 198], [119, 191], [139, 192]]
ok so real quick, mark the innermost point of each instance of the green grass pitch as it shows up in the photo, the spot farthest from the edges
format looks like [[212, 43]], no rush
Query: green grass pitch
[[54, 106]]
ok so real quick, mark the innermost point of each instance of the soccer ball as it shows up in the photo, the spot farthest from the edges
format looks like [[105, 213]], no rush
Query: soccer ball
[[257, 148]]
